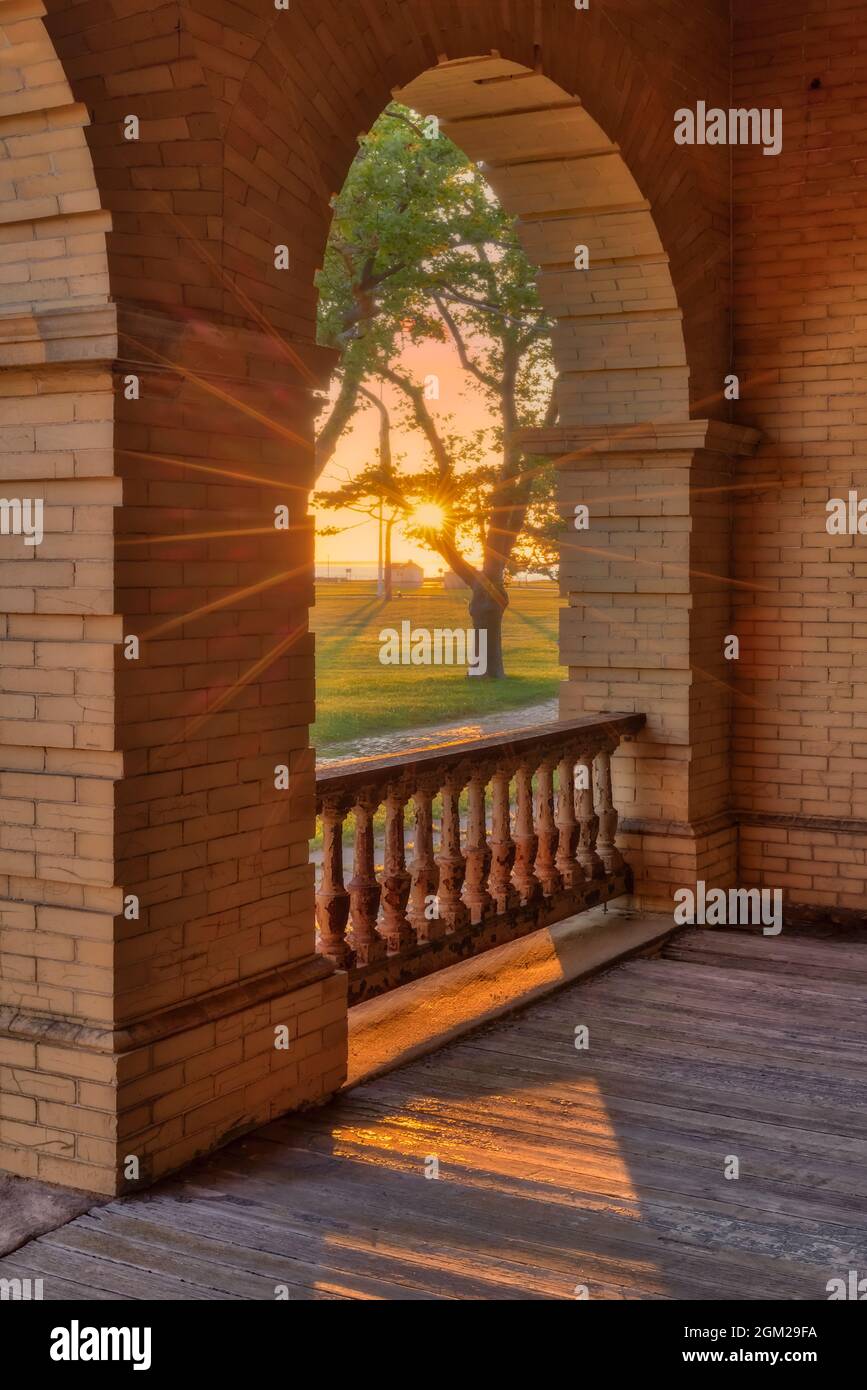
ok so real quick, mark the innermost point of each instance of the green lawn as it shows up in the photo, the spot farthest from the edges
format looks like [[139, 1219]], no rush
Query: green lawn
[[356, 695]]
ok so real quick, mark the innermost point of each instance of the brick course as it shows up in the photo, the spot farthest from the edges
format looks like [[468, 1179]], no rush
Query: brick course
[[799, 745], [155, 777]]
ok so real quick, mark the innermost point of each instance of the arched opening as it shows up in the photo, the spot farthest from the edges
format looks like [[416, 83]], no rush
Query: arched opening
[[436, 539], [619, 344], [603, 297], [160, 989], [200, 887]]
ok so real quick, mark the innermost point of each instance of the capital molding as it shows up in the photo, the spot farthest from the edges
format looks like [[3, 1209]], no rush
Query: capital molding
[[222, 1003], [574, 444], [87, 334], [177, 343], [679, 830]]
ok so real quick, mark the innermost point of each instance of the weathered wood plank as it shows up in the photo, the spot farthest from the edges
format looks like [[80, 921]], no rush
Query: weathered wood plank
[[557, 1166], [307, 1260], [55, 1290], [582, 1130], [475, 1220], [102, 1278], [485, 1240]]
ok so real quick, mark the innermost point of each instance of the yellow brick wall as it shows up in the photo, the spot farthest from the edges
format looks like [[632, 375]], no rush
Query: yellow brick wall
[[156, 256], [800, 279]]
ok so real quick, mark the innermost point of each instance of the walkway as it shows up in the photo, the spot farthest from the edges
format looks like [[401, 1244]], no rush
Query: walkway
[[432, 736], [558, 1167]]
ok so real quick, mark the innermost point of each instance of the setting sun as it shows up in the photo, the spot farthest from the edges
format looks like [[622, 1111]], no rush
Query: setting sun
[[429, 515]]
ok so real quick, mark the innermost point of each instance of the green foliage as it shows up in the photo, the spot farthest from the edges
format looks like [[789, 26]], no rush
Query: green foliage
[[421, 250]]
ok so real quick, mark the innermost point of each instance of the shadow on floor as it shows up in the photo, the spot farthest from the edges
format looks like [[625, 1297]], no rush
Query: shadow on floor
[[558, 1169]]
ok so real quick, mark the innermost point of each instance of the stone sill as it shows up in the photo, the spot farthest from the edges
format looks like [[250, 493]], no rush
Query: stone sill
[[418, 1018]]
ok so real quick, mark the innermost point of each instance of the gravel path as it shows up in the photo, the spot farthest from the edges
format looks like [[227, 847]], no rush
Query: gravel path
[[406, 740]]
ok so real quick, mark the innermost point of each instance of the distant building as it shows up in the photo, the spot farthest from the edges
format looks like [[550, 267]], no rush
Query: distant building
[[453, 581], [407, 575]]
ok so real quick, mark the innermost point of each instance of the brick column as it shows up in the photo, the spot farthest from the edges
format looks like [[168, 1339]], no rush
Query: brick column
[[160, 991], [649, 607]]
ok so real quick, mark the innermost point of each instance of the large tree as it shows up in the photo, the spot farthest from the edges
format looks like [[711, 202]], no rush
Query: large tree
[[421, 250]]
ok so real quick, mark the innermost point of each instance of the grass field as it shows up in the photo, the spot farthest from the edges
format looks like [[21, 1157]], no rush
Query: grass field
[[356, 695]]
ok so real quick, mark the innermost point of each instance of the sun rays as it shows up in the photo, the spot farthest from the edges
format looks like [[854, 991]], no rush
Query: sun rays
[[619, 440]]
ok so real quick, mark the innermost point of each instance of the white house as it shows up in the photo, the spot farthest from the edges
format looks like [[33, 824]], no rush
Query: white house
[[407, 575]]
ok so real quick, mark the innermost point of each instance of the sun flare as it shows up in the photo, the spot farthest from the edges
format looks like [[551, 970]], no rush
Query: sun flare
[[430, 516]]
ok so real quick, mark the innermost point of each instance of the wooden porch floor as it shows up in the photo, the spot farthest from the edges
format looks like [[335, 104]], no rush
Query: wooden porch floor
[[557, 1167]]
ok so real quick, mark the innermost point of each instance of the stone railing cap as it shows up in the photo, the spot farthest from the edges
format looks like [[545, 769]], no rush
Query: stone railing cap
[[356, 773]]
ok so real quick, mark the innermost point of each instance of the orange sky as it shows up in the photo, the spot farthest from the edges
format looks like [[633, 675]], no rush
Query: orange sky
[[460, 396]]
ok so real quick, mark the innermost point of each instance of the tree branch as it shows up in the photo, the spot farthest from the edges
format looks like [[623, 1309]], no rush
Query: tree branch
[[341, 414], [399, 116], [493, 309], [423, 417], [385, 459], [458, 339]]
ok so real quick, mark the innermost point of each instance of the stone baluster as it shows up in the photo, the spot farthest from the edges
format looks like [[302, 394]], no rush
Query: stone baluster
[[478, 853], [607, 812], [451, 861], [396, 929], [332, 899], [364, 890], [569, 870], [424, 913], [588, 821], [535, 863], [546, 831], [526, 841], [502, 844]]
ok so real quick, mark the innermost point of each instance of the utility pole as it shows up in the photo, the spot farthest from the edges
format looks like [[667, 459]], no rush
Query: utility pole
[[380, 573]]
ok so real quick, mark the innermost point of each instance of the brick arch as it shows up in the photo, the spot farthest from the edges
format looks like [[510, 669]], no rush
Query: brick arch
[[618, 344], [289, 140], [202, 196], [155, 779], [53, 217], [57, 342]]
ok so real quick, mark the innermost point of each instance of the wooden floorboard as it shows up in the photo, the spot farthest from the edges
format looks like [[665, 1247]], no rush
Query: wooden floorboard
[[558, 1167]]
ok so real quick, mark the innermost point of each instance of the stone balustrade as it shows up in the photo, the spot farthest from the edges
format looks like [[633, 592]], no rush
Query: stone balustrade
[[548, 852]]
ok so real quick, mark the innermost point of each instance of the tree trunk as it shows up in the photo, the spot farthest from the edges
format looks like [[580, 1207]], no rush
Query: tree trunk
[[487, 609], [328, 435]]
